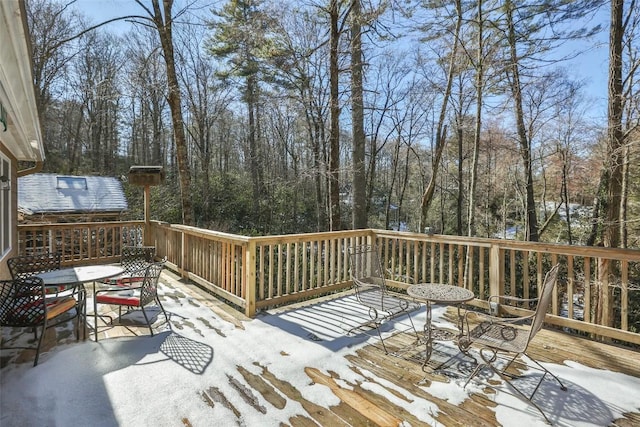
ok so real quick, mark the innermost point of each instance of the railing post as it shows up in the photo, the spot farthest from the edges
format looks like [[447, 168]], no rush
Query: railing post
[[496, 270], [250, 278], [183, 254]]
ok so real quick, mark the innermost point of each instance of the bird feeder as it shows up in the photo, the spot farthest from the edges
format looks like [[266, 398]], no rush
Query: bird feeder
[[146, 176]]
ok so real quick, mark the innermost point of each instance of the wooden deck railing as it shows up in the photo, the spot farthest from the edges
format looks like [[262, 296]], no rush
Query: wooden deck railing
[[597, 293], [81, 243]]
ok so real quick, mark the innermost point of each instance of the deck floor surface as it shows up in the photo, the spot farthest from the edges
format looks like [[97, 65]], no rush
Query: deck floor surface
[[391, 382]]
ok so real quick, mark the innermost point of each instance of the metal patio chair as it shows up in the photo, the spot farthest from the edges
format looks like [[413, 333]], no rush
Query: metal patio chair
[[510, 336], [24, 303], [371, 291], [30, 265], [25, 266], [139, 294], [134, 260]]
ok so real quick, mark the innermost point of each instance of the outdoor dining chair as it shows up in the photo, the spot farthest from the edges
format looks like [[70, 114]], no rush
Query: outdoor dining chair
[[30, 265], [25, 266], [371, 291], [140, 293], [495, 336], [24, 303], [133, 260]]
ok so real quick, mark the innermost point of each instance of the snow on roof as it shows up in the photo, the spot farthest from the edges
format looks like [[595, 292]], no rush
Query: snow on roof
[[48, 193]]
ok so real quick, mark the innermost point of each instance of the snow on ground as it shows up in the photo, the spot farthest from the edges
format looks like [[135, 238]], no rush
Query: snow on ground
[[162, 380]]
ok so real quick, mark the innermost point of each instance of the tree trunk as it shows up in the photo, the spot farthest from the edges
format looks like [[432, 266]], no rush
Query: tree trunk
[[564, 152], [174, 100], [624, 198], [614, 165], [460, 198], [254, 159], [357, 119], [471, 223], [334, 131], [615, 143], [523, 138], [441, 131]]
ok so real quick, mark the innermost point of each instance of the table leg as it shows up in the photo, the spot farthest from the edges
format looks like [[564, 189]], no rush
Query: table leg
[[460, 323], [84, 312], [428, 335]]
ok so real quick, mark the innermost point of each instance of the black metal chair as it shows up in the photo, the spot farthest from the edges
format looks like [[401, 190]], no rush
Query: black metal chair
[[31, 265], [24, 303], [134, 260], [370, 287], [25, 266], [510, 336], [139, 294]]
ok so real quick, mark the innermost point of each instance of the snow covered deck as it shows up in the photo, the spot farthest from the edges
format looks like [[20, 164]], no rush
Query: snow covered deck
[[295, 367]]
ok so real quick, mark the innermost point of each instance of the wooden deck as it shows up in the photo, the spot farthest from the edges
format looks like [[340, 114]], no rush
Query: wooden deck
[[548, 346], [402, 369], [392, 381]]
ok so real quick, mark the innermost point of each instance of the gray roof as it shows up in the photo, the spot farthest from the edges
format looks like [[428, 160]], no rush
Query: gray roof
[[49, 193]]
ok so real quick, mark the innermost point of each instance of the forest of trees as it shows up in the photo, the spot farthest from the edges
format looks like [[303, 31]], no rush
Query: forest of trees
[[289, 116]]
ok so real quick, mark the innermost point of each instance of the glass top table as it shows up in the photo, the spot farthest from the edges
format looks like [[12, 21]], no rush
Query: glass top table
[[79, 275]]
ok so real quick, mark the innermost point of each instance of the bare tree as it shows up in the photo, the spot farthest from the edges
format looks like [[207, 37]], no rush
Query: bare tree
[[441, 129], [358, 186], [162, 19]]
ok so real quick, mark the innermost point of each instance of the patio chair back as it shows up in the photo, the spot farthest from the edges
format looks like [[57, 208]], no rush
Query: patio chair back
[[24, 266], [31, 265], [365, 268], [136, 258], [141, 292], [544, 300], [368, 279], [149, 288]]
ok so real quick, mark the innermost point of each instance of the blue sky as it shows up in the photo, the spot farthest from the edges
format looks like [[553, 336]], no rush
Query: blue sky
[[591, 66]]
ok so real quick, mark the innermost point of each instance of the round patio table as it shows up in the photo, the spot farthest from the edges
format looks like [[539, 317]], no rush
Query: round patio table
[[438, 293], [79, 276]]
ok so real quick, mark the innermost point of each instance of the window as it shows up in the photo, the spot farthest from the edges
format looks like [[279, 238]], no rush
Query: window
[[5, 205]]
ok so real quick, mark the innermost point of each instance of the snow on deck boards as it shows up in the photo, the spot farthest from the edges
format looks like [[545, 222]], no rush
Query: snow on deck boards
[[304, 368]]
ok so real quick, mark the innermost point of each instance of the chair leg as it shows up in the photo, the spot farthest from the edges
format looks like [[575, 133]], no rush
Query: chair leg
[[147, 319], [522, 396], [488, 361], [162, 308], [44, 328], [415, 331], [95, 318], [381, 340], [81, 314], [546, 371], [84, 316]]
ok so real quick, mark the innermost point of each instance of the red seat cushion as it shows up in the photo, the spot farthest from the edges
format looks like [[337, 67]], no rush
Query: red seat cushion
[[129, 300], [31, 312]]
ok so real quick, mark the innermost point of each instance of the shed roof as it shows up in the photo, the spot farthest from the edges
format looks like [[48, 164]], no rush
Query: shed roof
[[51, 193]]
